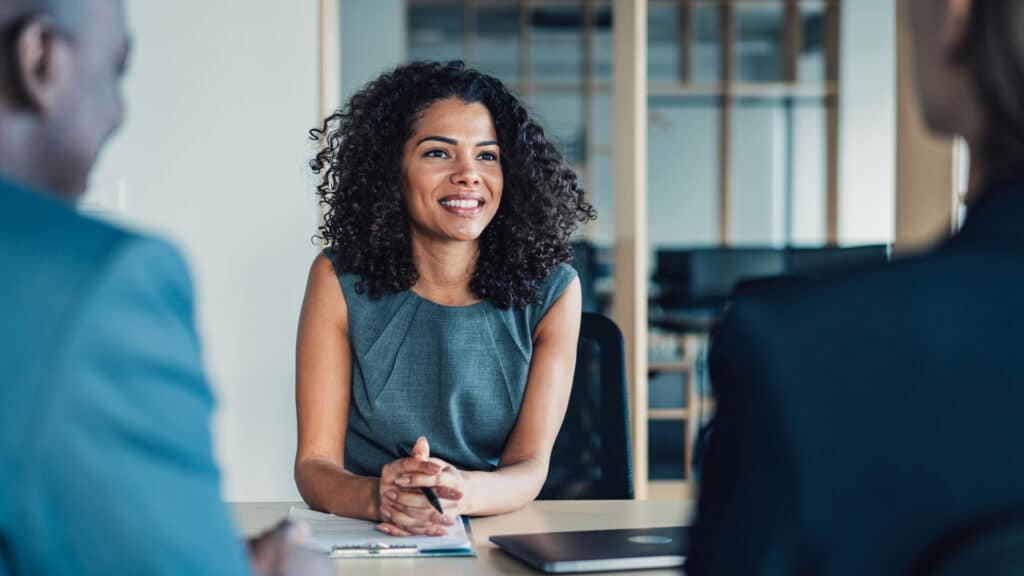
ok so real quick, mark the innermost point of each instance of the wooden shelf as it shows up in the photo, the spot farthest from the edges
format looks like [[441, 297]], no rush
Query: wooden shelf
[[671, 366], [671, 490], [668, 413]]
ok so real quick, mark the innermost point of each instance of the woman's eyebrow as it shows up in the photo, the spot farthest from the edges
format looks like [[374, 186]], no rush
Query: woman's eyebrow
[[453, 141]]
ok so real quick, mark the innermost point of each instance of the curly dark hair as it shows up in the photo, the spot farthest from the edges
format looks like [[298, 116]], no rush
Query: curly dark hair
[[366, 223]]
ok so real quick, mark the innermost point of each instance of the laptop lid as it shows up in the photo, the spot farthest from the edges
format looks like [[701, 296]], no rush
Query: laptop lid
[[599, 550]]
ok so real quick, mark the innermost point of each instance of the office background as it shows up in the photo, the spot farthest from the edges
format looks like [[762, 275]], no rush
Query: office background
[[214, 155]]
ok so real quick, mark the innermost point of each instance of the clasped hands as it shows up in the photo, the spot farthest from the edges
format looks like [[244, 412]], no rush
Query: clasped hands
[[404, 509]]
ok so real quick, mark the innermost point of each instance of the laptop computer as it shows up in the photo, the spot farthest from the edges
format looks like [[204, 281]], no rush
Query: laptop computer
[[599, 550]]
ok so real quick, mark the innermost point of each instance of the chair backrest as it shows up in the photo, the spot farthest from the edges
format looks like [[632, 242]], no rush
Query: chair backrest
[[591, 457], [992, 545], [707, 277], [584, 260]]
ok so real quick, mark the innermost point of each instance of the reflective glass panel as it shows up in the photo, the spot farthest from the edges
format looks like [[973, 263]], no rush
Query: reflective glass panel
[[706, 52], [682, 171], [759, 42], [496, 46], [663, 42], [561, 115], [811, 64], [602, 42], [436, 32], [556, 43]]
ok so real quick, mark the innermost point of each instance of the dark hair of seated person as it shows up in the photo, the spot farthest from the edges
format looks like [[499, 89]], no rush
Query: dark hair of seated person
[[366, 224], [994, 50]]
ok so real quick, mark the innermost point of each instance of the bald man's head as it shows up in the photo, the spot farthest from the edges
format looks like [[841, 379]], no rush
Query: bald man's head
[[61, 64], [67, 11]]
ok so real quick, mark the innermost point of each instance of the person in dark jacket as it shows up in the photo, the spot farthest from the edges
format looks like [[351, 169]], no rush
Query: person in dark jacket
[[863, 417]]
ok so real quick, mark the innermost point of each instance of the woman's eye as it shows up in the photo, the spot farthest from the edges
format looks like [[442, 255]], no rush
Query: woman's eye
[[491, 156], [436, 153]]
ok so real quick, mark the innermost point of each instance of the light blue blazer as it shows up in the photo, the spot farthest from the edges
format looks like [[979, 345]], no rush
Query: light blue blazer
[[105, 457]]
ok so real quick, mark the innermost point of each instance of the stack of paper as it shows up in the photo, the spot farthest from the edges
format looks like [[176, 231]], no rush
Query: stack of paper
[[350, 537]]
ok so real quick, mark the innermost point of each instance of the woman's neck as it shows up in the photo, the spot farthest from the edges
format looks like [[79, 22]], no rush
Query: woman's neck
[[445, 269]]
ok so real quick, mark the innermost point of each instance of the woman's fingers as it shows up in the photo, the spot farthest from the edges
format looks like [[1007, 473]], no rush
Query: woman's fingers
[[421, 449], [447, 493], [414, 504], [416, 465], [389, 472], [447, 479], [413, 498], [412, 524], [392, 530]]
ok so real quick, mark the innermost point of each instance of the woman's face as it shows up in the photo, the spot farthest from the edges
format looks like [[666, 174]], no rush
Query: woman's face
[[452, 169]]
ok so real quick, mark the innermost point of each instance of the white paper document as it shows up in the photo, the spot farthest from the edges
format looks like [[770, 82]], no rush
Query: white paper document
[[331, 534]]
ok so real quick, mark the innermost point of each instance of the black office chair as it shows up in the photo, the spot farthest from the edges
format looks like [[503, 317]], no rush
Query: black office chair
[[591, 456], [584, 260], [992, 545]]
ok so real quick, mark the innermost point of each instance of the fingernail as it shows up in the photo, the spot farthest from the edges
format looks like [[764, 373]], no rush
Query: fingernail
[[403, 481], [385, 513], [391, 494]]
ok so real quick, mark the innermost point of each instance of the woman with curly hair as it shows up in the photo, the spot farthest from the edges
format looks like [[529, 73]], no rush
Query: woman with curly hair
[[444, 307]]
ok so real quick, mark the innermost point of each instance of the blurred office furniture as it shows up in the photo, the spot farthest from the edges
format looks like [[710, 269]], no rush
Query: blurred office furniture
[[585, 263], [992, 545], [677, 407], [591, 457], [692, 281], [691, 287]]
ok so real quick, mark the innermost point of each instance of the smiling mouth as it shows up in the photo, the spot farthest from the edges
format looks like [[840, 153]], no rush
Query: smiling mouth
[[462, 206]]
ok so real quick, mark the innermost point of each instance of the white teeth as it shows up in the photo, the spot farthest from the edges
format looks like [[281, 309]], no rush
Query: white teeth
[[461, 203]]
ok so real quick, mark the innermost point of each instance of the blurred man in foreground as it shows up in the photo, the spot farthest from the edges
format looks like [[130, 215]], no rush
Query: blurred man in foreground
[[105, 456]]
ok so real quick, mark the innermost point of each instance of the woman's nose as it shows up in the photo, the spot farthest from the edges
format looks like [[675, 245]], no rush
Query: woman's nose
[[465, 174]]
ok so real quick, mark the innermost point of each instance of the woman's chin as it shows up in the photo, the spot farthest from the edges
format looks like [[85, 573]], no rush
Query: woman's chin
[[472, 236], [469, 233]]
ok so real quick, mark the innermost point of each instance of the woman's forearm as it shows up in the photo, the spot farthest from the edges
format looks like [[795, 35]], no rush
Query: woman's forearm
[[506, 489], [328, 487]]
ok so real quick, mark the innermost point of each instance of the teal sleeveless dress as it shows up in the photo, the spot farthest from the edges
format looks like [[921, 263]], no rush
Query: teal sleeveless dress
[[455, 374]]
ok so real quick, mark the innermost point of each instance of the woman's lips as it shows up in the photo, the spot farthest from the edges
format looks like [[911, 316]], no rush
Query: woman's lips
[[466, 206]]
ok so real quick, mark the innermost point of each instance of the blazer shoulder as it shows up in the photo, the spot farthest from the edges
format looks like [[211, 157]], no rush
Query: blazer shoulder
[[50, 237], [814, 297]]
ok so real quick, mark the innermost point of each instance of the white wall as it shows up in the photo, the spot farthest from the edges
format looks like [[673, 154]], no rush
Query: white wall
[[213, 154]]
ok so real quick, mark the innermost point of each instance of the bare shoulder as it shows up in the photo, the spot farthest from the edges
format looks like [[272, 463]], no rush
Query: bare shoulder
[[324, 295], [564, 315]]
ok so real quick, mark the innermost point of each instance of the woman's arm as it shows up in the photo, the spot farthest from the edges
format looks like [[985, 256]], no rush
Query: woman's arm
[[323, 387], [523, 467]]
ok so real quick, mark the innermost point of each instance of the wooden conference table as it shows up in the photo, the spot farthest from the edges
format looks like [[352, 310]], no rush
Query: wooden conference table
[[547, 516]]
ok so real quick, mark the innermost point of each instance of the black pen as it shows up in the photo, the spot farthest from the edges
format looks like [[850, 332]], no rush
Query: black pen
[[427, 491]]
